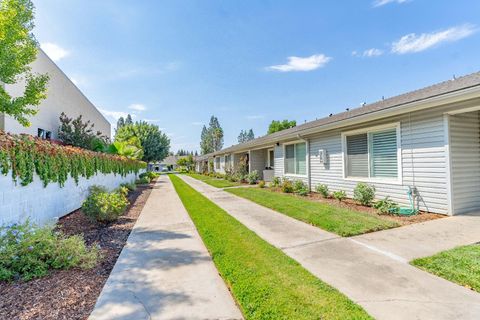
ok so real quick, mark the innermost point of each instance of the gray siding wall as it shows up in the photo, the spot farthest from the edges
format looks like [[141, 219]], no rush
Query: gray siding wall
[[465, 159], [258, 160], [423, 161]]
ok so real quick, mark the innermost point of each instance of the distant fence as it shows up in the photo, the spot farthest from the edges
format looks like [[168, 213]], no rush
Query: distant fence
[[44, 204]]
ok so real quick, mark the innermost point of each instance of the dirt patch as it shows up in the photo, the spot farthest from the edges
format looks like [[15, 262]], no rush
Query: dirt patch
[[351, 204], [71, 294]]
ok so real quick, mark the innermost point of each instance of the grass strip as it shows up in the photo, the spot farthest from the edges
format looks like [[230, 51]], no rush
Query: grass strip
[[214, 182], [266, 283], [460, 265], [342, 221]]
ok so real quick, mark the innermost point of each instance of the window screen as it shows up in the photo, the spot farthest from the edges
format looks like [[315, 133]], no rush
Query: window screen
[[301, 158], [384, 154], [290, 159]]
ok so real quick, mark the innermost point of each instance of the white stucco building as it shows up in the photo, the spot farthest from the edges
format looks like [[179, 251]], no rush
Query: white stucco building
[[62, 96]]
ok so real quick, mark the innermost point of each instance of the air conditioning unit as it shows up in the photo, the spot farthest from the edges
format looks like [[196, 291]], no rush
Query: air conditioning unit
[[322, 156]]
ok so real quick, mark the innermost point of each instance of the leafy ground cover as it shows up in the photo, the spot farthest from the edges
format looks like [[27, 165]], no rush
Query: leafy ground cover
[[266, 283], [340, 220], [460, 265]]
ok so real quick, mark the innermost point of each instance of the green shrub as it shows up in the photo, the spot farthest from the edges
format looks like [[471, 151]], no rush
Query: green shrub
[[144, 180], [339, 195], [149, 174], [103, 206], [261, 184], [253, 177], [299, 187], [364, 194], [130, 186], [287, 186], [276, 182], [323, 190], [386, 206], [28, 251]]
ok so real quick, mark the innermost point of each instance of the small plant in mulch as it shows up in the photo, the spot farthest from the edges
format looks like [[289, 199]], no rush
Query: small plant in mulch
[[253, 177], [103, 206], [261, 184], [287, 186], [300, 188], [29, 251], [364, 194], [322, 189], [386, 206], [339, 195], [276, 182]]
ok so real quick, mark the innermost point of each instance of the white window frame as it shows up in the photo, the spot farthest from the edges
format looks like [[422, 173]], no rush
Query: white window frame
[[307, 155], [268, 158], [368, 130]]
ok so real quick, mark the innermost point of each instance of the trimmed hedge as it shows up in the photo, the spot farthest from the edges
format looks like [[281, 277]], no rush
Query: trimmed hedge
[[26, 155]]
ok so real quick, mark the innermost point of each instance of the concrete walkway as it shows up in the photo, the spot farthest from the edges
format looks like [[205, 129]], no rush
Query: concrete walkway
[[380, 281], [165, 271]]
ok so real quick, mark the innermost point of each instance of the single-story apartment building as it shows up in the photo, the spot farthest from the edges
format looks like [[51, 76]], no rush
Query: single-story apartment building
[[62, 96], [427, 141]]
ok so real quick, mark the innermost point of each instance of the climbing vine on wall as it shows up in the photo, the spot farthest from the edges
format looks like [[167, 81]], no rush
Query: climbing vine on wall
[[25, 155]]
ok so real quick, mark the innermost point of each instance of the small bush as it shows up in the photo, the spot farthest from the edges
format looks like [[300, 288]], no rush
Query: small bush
[[339, 195], [364, 194], [287, 186], [144, 180], [299, 187], [322, 189], [261, 184], [103, 206], [276, 182], [28, 251], [386, 206], [130, 186], [253, 177]]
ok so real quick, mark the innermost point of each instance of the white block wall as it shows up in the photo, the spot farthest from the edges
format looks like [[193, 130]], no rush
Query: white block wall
[[43, 205]]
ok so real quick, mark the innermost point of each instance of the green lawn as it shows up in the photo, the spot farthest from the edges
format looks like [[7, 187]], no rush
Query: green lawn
[[341, 221], [215, 182], [265, 282], [460, 265]]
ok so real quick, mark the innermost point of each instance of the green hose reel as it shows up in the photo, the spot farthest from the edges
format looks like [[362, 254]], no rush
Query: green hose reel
[[405, 211]]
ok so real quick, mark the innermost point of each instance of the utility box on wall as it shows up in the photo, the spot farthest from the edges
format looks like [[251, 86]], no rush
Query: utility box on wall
[[322, 156]]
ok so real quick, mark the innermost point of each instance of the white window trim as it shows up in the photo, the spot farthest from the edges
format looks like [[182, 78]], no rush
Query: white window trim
[[268, 158], [399, 179], [294, 175]]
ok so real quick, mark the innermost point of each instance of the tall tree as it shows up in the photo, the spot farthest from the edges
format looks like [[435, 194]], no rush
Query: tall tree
[[205, 141], [155, 144], [250, 135], [276, 126], [245, 136], [18, 49], [120, 122], [128, 120], [216, 133]]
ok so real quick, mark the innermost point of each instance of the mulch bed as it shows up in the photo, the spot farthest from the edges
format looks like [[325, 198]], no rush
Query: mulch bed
[[71, 294], [422, 216]]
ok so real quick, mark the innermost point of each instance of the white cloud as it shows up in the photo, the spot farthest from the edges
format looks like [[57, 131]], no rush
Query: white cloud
[[255, 117], [302, 64], [54, 51], [373, 52], [152, 120], [137, 107], [379, 3], [197, 123], [114, 115], [415, 43]]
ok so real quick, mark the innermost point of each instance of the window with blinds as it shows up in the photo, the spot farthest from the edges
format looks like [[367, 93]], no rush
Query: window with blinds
[[372, 154], [296, 158], [384, 161]]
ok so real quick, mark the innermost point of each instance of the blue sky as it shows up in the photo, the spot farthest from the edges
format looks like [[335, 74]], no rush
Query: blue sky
[[176, 63]]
